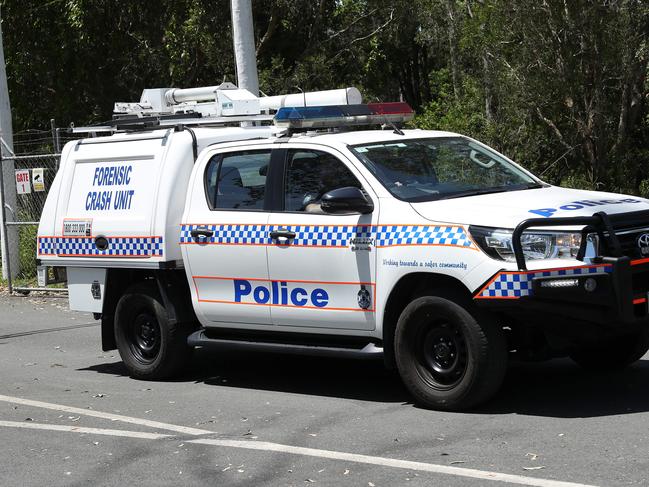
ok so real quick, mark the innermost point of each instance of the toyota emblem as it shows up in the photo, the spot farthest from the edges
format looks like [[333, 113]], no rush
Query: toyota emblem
[[643, 243]]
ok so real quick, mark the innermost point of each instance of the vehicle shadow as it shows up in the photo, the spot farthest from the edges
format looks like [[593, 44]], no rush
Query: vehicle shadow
[[561, 389], [558, 388], [317, 376]]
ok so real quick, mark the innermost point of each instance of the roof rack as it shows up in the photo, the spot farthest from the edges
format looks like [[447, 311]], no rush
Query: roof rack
[[160, 121], [226, 104]]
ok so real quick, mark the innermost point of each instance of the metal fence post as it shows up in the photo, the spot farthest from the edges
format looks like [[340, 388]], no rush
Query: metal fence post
[[3, 214], [56, 137]]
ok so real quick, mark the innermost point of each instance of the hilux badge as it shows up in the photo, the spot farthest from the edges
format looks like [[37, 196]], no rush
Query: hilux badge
[[643, 243]]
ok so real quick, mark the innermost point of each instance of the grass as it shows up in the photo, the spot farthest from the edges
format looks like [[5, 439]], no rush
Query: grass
[[27, 258]]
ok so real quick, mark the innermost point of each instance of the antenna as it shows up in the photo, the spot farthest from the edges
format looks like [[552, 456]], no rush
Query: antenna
[[303, 94], [391, 123]]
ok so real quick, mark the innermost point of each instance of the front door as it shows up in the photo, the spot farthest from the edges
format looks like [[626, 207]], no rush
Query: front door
[[321, 266]]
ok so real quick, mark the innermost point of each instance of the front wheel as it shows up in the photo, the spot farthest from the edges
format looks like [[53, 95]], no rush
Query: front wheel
[[150, 346], [446, 358], [615, 354]]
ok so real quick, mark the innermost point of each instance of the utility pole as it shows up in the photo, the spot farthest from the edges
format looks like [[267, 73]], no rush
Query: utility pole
[[243, 35], [8, 235]]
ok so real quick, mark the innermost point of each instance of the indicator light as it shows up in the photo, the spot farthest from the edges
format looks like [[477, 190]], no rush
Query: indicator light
[[560, 283]]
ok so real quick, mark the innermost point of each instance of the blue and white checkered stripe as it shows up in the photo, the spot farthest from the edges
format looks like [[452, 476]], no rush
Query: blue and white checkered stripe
[[332, 235], [509, 285], [85, 246], [305, 235], [388, 235]]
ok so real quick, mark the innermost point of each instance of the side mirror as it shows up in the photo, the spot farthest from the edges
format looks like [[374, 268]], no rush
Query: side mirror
[[346, 200]]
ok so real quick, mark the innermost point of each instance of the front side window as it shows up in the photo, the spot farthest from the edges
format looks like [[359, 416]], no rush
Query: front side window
[[438, 168], [237, 181], [311, 174]]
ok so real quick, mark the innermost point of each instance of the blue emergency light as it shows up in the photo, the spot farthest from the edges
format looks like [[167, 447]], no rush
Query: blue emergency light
[[342, 115]]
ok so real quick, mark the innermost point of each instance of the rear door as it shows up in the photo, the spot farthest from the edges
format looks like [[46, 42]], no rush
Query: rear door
[[224, 237]]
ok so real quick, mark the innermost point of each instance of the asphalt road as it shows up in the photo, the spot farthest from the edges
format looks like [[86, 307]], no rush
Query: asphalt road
[[271, 420]]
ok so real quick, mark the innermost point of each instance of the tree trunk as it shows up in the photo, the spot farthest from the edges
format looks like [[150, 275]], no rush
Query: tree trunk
[[488, 93], [452, 43]]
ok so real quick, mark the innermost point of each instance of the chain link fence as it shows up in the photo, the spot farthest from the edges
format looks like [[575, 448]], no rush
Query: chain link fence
[[37, 171], [33, 161]]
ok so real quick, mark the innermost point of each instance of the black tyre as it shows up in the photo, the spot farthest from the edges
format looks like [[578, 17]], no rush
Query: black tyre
[[150, 347], [615, 354], [446, 358]]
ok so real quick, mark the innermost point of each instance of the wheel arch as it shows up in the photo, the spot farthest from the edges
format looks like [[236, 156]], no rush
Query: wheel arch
[[171, 284], [407, 288]]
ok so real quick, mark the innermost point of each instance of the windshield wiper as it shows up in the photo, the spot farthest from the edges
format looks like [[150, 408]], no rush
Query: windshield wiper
[[498, 189], [472, 192], [534, 186]]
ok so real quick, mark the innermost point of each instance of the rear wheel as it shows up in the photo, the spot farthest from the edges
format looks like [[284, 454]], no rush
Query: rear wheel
[[615, 354], [150, 346], [446, 358]]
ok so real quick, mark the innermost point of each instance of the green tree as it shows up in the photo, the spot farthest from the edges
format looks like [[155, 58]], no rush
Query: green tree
[[559, 86]]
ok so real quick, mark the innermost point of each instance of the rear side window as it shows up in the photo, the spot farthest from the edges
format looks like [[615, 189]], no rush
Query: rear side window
[[237, 180]]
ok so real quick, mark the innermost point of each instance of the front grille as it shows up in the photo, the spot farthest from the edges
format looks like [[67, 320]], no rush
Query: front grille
[[628, 239], [629, 243], [628, 227]]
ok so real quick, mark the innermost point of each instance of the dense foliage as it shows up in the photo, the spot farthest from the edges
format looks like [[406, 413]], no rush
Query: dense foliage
[[558, 85]]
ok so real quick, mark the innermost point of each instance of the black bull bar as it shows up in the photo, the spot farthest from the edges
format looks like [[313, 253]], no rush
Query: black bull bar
[[623, 292]]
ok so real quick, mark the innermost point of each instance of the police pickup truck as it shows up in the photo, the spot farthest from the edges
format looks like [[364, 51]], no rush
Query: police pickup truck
[[309, 235]]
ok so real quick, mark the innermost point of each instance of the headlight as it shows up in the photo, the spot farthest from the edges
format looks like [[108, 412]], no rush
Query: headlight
[[536, 245]]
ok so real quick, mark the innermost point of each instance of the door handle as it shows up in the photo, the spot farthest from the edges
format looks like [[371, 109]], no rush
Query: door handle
[[282, 233], [201, 232]]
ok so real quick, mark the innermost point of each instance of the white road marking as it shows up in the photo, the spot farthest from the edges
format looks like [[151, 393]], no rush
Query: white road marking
[[266, 446], [113, 417], [81, 429], [388, 462]]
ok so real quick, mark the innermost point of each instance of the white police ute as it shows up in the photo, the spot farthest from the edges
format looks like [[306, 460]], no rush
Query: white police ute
[[196, 222]]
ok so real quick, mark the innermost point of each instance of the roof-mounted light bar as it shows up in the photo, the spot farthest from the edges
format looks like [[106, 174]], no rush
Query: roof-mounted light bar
[[343, 115]]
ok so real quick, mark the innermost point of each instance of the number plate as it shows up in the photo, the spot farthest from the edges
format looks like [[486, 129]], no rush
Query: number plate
[[77, 228]]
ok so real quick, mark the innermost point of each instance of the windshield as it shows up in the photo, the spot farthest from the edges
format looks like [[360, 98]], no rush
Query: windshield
[[439, 168]]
